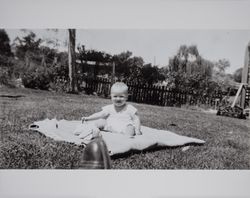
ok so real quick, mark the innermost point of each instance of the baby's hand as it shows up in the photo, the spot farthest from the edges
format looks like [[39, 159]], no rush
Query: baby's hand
[[87, 130], [84, 119]]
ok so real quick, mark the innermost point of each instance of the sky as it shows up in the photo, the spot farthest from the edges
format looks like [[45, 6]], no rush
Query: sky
[[155, 45]]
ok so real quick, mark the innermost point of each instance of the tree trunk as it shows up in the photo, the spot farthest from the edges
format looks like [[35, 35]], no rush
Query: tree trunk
[[113, 73], [72, 62]]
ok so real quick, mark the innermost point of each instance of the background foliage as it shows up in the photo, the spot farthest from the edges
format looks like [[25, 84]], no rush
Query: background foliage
[[42, 67]]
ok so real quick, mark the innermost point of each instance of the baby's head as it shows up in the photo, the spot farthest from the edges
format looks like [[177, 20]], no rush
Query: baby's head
[[119, 87], [119, 94]]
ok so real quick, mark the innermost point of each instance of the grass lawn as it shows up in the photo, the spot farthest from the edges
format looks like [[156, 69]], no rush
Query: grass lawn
[[227, 139]]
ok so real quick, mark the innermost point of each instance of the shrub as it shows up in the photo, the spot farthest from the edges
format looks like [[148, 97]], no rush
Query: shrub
[[5, 78], [37, 77]]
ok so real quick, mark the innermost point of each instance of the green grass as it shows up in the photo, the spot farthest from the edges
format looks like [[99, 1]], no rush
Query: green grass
[[227, 139]]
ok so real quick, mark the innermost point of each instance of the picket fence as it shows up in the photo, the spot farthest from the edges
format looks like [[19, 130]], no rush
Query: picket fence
[[152, 94]]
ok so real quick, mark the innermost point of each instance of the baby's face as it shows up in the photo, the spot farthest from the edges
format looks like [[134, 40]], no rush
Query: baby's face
[[119, 97]]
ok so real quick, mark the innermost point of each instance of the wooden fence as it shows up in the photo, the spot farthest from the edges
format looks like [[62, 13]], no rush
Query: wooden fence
[[99, 86], [155, 95]]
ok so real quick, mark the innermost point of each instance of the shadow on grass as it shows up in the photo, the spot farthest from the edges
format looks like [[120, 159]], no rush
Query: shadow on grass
[[152, 149], [130, 153], [12, 96]]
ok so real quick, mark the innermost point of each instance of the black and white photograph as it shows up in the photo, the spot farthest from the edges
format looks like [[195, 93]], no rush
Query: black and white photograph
[[125, 99], [118, 100]]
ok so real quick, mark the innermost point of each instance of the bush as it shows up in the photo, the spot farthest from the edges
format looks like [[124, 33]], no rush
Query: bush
[[6, 71], [5, 79], [3, 76], [59, 85], [37, 77]]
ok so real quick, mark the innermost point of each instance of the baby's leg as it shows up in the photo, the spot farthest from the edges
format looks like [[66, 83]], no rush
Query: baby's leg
[[130, 130], [97, 126]]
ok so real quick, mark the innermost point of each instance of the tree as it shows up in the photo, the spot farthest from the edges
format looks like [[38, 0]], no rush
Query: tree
[[223, 80], [96, 56], [6, 59], [5, 49], [72, 61], [134, 70], [151, 75], [237, 75], [35, 64], [27, 47], [48, 56], [189, 71], [221, 66], [122, 64], [128, 68]]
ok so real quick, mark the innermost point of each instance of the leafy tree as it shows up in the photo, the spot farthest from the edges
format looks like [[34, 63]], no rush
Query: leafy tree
[[35, 63], [27, 47], [5, 49], [96, 56], [122, 63], [223, 80], [60, 73], [47, 55], [134, 70], [151, 75], [6, 59], [221, 66], [237, 75], [189, 71], [128, 68]]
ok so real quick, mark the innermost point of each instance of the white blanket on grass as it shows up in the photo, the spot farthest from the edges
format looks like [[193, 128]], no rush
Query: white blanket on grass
[[63, 130]]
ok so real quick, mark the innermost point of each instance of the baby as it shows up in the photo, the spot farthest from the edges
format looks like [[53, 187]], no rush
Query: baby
[[120, 117]]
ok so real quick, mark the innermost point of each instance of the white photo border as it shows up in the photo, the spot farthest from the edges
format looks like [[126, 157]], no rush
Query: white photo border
[[121, 14]]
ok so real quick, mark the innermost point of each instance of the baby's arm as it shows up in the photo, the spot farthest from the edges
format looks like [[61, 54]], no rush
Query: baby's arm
[[95, 116], [137, 124]]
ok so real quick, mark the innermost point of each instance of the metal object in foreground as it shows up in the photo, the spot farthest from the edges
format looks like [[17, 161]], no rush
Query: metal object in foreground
[[95, 155]]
